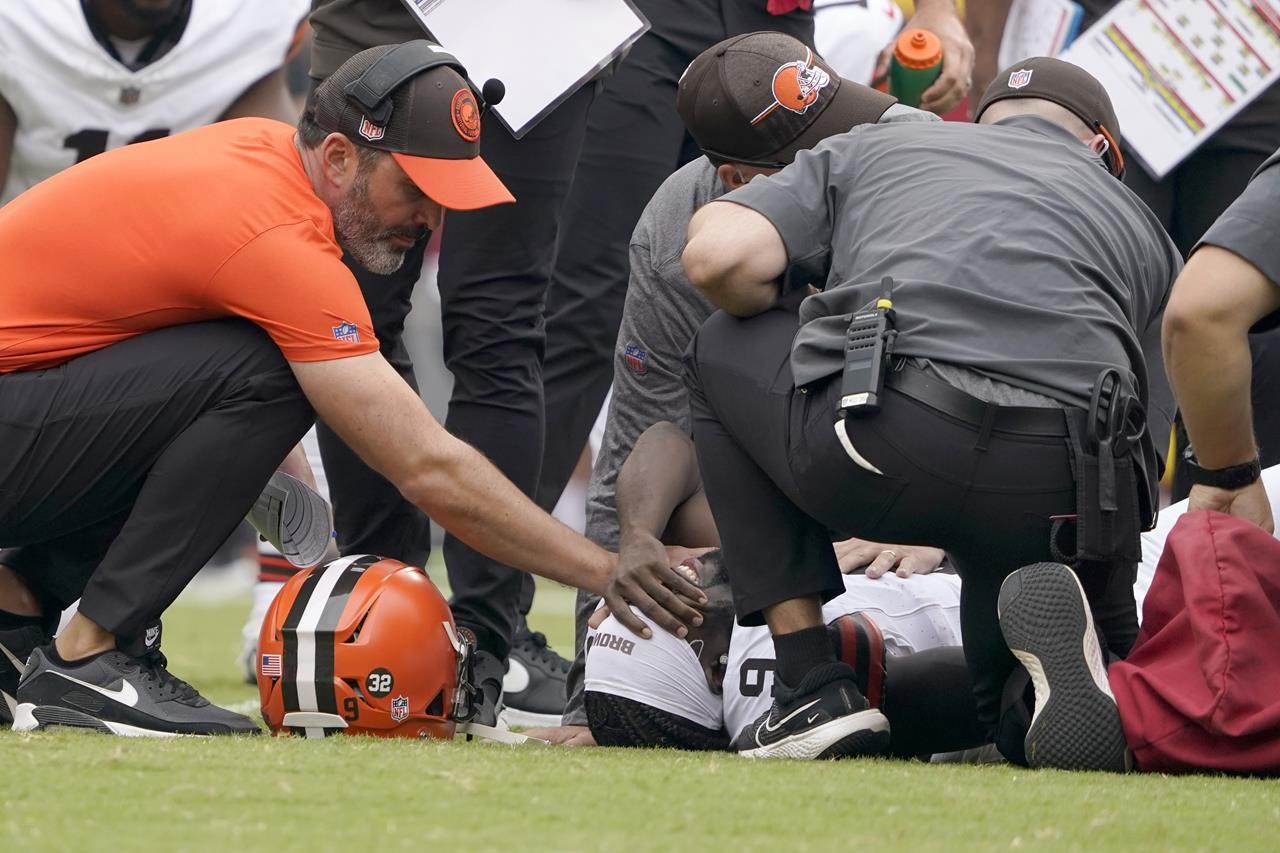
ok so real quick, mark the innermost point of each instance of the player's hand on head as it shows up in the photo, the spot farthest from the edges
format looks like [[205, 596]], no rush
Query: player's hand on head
[[644, 577], [876, 559], [957, 57], [1249, 503]]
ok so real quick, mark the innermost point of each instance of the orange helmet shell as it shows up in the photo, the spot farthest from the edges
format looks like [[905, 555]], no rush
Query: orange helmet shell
[[361, 645]]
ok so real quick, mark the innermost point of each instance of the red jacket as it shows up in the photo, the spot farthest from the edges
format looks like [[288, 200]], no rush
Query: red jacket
[[1201, 688]]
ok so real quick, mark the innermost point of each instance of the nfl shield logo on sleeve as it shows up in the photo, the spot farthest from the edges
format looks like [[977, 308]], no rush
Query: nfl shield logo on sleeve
[[400, 708], [636, 359], [348, 332], [1018, 79]]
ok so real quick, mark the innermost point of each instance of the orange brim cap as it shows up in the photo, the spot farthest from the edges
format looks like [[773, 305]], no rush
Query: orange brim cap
[[466, 184]]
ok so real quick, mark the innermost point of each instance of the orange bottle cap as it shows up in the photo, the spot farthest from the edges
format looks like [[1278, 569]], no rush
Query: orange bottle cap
[[917, 48]]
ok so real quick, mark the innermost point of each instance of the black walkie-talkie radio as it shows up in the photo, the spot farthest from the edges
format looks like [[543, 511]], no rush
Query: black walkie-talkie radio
[[868, 345]]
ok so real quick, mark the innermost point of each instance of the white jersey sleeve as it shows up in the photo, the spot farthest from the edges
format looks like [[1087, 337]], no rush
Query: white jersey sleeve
[[662, 672], [916, 613], [72, 99]]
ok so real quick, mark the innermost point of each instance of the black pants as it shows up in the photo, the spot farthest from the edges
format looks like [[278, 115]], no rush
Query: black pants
[[495, 265], [635, 140], [123, 470], [780, 485]]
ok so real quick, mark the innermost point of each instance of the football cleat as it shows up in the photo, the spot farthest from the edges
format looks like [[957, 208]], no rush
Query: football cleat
[[16, 646]]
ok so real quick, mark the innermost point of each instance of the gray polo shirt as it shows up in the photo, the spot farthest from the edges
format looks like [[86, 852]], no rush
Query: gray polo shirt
[[663, 310], [1250, 227], [1014, 251]]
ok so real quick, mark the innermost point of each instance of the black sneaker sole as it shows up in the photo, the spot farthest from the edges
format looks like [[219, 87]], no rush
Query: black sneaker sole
[[863, 734], [1047, 625], [29, 718]]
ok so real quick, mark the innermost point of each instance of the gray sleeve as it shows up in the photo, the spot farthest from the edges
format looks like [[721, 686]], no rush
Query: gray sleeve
[[1250, 227], [662, 312], [800, 201]]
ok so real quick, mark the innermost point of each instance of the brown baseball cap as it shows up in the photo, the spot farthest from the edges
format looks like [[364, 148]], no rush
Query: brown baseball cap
[[1066, 85], [761, 97], [429, 121]]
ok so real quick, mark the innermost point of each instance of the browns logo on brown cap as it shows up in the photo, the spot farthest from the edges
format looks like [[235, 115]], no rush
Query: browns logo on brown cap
[[761, 97], [466, 115]]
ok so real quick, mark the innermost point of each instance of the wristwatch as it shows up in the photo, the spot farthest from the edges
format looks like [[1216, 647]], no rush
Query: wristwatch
[[1231, 477]]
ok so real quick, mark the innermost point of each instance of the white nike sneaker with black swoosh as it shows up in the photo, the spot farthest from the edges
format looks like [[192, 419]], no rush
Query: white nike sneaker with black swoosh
[[116, 693], [825, 717]]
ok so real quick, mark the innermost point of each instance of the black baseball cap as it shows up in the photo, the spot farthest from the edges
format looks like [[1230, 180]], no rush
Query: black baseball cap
[[761, 97], [432, 125], [1066, 85]]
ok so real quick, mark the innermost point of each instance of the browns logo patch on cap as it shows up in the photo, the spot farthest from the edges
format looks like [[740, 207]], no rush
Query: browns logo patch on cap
[[466, 115]]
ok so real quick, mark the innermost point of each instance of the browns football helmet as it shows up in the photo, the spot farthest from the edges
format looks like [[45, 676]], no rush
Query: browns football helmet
[[362, 645]]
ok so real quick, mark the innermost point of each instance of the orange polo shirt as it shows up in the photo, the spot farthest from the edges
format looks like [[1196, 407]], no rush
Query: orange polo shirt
[[216, 222]]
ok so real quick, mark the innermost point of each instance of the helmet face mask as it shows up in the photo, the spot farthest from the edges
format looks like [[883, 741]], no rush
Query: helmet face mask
[[361, 646]]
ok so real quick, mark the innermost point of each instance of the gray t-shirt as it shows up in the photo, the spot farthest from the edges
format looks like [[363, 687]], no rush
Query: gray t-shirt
[[663, 310], [1250, 227], [1015, 254]]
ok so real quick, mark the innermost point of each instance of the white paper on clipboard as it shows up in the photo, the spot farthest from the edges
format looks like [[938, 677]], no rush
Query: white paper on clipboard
[[541, 50], [1178, 70], [1038, 28]]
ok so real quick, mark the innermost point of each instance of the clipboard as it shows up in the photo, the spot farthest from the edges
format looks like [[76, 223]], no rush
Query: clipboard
[[1178, 70], [542, 50]]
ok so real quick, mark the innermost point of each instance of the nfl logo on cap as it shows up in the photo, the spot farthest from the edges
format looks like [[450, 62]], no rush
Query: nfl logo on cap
[[1018, 79], [370, 131]]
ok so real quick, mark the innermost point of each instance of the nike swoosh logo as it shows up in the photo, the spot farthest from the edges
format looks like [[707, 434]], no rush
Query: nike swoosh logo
[[17, 664], [811, 718], [797, 712], [125, 694], [517, 678]]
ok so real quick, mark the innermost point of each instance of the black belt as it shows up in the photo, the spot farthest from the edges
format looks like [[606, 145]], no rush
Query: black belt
[[936, 394]]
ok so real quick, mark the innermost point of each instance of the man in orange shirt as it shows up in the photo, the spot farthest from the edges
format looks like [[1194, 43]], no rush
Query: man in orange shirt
[[174, 316]]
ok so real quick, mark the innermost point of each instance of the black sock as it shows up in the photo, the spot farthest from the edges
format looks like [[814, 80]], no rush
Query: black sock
[[10, 621], [800, 651]]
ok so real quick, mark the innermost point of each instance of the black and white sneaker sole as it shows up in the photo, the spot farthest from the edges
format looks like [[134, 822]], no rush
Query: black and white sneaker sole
[[1047, 625], [29, 718], [865, 733]]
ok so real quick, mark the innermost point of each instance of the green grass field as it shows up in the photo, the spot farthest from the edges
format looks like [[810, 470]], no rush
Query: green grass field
[[70, 790]]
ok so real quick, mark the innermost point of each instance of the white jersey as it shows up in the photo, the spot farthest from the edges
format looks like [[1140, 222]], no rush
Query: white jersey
[[849, 34], [662, 672], [916, 613], [72, 99]]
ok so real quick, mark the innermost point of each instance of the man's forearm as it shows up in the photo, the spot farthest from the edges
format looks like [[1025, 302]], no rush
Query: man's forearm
[[1211, 370], [660, 474], [471, 499], [734, 255]]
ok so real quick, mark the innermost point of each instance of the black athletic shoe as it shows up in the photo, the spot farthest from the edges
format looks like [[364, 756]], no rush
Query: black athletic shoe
[[487, 672], [1046, 622], [116, 693], [824, 717], [533, 690], [16, 645]]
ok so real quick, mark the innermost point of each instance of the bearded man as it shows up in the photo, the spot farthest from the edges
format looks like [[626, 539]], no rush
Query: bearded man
[[175, 314]]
